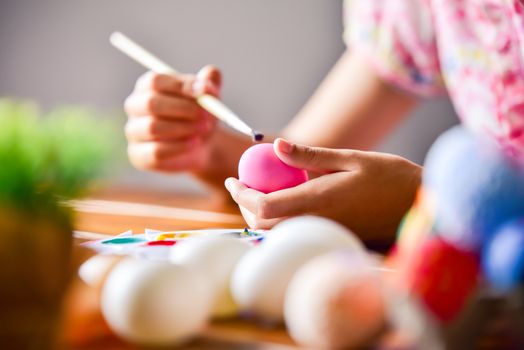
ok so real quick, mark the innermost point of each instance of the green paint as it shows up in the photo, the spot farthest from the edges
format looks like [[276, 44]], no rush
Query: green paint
[[248, 233], [124, 240]]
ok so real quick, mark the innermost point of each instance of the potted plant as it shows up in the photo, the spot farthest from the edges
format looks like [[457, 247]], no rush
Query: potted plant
[[44, 161]]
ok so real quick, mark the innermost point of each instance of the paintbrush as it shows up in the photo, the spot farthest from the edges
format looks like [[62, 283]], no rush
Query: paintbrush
[[210, 103]]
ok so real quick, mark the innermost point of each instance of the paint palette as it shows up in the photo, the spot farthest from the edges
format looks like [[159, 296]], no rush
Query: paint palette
[[155, 245]]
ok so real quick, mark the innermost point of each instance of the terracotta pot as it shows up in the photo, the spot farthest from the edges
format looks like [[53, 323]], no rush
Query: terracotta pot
[[35, 254]]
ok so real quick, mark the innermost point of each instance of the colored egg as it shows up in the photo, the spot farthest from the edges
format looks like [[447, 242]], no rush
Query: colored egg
[[475, 187], [261, 276], [503, 257], [441, 276], [260, 168], [155, 303], [215, 258], [335, 301]]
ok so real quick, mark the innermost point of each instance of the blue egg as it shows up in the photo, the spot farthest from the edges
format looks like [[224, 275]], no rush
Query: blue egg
[[503, 257], [475, 187]]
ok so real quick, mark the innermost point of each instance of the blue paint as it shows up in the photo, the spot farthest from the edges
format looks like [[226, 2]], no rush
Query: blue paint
[[124, 240]]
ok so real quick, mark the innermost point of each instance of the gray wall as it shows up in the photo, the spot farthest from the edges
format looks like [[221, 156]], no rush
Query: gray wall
[[273, 54]]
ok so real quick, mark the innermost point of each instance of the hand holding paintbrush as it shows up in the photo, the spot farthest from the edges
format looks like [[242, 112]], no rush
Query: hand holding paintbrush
[[168, 127], [207, 101]]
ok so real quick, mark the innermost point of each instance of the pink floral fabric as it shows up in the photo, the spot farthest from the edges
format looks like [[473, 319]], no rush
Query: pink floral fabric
[[472, 49]]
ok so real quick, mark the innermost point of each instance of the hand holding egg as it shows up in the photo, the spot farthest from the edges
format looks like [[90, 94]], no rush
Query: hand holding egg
[[262, 172], [261, 169], [354, 188]]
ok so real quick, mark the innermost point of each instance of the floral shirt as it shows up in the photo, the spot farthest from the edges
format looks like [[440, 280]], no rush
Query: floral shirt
[[472, 49]]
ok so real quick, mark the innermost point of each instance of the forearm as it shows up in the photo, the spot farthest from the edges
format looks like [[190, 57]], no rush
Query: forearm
[[352, 108]]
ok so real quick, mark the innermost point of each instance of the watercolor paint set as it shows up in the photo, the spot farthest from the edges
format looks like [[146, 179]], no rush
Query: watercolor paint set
[[155, 245]]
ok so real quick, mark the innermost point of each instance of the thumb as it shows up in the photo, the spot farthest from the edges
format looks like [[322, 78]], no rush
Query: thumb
[[208, 81], [316, 159]]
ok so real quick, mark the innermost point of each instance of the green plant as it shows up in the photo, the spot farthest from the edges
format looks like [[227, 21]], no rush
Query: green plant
[[47, 158], [44, 160]]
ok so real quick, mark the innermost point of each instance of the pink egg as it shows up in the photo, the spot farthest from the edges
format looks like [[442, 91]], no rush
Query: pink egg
[[336, 301], [260, 168]]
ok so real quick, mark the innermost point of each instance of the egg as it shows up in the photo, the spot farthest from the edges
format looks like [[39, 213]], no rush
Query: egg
[[441, 276], [503, 257], [261, 276], [215, 258], [474, 185], [93, 270], [261, 169], [155, 303], [336, 301]]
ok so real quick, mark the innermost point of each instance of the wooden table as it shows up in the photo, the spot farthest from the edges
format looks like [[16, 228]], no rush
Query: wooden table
[[118, 210]]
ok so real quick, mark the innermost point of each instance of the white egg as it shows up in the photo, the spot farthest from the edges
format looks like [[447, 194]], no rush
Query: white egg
[[154, 303], [312, 229], [93, 270], [215, 258], [261, 277], [336, 301]]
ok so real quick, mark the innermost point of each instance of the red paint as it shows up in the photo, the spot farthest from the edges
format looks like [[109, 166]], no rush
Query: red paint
[[161, 243]]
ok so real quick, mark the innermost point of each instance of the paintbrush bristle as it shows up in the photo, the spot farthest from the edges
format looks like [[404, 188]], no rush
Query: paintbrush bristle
[[257, 136]]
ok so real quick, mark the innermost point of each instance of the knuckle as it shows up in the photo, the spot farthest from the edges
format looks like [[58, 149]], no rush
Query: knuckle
[[264, 208], [152, 103], [256, 222], [177, 86], [155, 154], [150, 128], [131, 154], [144, 81], [128, 103], [135, 158], [357, 160], [185, 86], [156, 82], [143, 157], [311, 155], [128, 130]]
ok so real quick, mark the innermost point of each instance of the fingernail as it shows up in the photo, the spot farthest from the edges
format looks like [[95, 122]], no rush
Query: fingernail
[[228, 184], [285, 146], [198, 87]]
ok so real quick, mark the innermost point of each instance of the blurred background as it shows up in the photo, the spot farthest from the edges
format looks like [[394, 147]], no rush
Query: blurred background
[[273, 54]]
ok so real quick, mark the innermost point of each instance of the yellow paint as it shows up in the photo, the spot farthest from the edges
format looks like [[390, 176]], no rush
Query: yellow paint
[[172, 235]]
